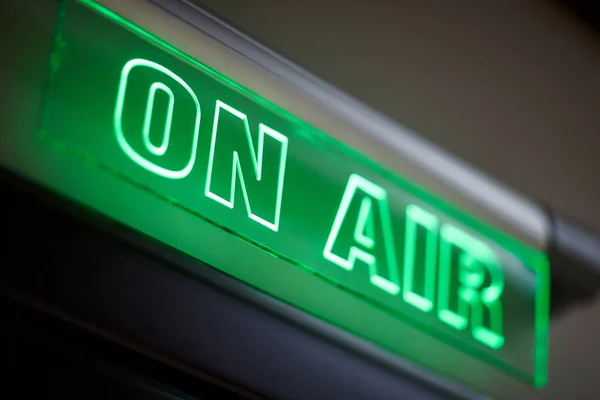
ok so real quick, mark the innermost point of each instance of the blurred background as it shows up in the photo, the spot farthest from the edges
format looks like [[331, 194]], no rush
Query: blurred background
[[512, 87]]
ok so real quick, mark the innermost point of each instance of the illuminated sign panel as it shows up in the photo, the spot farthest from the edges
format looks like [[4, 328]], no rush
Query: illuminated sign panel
[[141, 110]]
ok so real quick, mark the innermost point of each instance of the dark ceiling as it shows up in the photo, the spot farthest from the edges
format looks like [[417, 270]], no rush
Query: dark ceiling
[[588, 11]]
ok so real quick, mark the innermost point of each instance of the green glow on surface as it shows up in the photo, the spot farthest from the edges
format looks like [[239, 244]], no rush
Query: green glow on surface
[[153, 166], [244, 148], [358, 186], [542, 322], [365, 232], [475, 259], [158, 150], [415, 217], [329, 212]]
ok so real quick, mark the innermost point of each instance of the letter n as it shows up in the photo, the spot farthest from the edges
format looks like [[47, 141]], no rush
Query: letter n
[[261, 171]]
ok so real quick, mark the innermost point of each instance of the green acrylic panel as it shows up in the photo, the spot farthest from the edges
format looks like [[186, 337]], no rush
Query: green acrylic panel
[[146, 113]]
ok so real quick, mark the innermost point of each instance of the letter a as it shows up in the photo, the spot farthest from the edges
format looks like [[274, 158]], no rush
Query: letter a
[[362, 231]]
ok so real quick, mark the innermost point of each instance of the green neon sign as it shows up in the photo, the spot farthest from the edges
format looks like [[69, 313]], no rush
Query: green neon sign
[[228, 154], [165, 123], [190, 125]]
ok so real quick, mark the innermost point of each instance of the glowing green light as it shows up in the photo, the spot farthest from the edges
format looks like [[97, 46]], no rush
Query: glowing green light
[[364, 232], [154, 166], [415, 217], [237, 150], [369, 193], [158, 150], [476, 260], [385, 259]]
